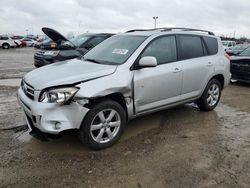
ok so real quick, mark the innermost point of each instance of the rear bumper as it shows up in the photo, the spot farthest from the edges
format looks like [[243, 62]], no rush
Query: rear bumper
[[45, 116]]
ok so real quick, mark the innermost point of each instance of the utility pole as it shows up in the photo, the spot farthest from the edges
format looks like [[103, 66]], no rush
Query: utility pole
[[155, 18]]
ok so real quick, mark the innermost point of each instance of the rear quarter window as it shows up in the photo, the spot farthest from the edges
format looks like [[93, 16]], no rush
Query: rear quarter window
[[212, 45]]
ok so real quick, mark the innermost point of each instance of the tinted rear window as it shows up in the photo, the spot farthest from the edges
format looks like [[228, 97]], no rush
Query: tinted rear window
[[212, 45], [190, 47]]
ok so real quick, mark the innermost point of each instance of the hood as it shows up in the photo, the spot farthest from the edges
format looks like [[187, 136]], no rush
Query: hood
[[53, 34], [58, 38], [66, 73]]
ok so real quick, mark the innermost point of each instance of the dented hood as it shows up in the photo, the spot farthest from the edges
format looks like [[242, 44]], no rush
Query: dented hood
[[66, 73]]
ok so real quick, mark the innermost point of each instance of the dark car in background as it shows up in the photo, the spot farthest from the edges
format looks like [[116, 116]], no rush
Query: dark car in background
[[60, 48], [240, 66]]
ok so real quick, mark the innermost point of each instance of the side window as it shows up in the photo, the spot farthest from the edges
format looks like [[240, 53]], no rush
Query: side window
[[163, 49], [96, 40], [190, 47], [230, 44], [212, 45]]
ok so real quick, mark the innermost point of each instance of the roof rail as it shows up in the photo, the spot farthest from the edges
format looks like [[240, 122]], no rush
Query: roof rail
[[133, 30], [162, 29]]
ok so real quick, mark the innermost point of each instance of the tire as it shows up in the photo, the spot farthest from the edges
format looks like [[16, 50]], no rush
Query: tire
[[5, 46], [103, 125], [211, 96]]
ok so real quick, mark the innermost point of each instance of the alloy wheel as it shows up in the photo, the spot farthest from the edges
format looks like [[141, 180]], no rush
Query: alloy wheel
[[213, 94], [105, 125]]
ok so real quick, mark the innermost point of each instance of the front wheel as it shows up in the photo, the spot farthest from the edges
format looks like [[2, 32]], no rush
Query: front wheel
[[210, 96], [103, 125]]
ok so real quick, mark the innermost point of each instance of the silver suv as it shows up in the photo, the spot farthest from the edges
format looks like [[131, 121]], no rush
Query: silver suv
[[128, 75]]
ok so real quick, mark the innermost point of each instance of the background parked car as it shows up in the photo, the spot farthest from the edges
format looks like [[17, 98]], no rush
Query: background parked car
[[237, 49], [17, 40], [23, 43], [29, 42], [44, 44], [227, 44], [240, 66], [6, 42], [59, 48]]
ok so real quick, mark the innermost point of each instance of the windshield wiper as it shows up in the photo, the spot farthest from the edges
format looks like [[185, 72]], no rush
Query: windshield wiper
[[93, 60]]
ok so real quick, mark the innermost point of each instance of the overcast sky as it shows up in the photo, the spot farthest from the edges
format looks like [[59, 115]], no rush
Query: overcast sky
[[78, 16]]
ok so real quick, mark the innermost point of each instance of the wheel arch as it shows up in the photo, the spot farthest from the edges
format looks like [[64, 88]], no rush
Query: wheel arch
[[220, 78], [5, 43], [117, 97]]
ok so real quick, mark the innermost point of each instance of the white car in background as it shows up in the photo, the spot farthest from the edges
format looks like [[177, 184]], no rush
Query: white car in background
[[17, 42], [6, 42], [227, 44]]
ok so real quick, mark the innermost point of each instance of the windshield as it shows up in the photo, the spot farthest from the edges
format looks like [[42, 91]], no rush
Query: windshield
[[246, 52], [79, 40], [115, 50], [224, 43]]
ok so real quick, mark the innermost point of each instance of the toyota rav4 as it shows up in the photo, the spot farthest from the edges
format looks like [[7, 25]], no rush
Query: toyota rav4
[[127, 75]]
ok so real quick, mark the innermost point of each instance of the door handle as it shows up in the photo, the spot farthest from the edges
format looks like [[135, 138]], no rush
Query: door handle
[[176, 70], [209, 64]]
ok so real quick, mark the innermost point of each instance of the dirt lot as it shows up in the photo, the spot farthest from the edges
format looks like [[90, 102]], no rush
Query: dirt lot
[[180, 147]]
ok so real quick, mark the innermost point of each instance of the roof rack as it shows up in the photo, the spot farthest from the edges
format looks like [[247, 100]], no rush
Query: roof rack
[[133, 30], [162, 29]]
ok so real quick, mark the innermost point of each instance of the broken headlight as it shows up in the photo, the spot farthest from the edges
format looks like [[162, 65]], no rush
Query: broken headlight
[[58, 95]]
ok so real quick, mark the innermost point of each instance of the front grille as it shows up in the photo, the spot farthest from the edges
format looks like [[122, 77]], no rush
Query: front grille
[[240, 67], [28, 90]]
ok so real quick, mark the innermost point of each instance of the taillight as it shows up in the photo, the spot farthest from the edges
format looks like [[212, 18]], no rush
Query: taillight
[[227, 56]]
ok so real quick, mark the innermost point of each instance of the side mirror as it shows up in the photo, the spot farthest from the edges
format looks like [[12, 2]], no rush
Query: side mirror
[[148, 61]]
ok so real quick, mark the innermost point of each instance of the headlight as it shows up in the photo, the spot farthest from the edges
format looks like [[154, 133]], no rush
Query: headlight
[[58, 95], [51, 53]]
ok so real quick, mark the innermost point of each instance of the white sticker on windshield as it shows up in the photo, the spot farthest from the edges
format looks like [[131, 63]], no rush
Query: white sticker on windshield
[[120, 51]]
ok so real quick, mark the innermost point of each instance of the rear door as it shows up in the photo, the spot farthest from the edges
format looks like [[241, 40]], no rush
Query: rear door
[[160, 85], [197, 64]]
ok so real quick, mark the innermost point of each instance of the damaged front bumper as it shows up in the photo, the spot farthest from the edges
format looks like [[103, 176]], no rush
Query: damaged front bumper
[[50, 117]]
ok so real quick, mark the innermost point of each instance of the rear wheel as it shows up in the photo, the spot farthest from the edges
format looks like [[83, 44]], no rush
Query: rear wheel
[[103, 125], [5, 46], [210, 96]]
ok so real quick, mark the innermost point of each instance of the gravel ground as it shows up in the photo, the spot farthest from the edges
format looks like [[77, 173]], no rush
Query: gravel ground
[[179, 147], [15, 62]]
